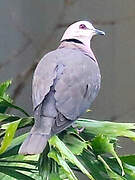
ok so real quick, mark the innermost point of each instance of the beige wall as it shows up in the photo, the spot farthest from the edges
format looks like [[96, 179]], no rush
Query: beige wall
[[30, 27]]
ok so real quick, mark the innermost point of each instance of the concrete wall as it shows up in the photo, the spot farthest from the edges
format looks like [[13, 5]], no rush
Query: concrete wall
[[29, 28]]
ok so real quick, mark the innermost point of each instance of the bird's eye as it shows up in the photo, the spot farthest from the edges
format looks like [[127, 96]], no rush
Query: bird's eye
[[82, 26]]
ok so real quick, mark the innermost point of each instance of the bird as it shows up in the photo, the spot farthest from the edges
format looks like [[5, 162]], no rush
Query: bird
[[65, 83]]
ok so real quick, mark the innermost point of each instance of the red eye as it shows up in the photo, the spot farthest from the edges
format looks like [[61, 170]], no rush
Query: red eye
[[82, 26]]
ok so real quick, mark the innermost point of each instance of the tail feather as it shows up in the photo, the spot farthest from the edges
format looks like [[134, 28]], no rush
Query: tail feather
[[44, 115], [34, 144], [38, 137]]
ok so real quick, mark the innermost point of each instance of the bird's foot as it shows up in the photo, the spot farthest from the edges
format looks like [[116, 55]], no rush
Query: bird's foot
[[79, 130]]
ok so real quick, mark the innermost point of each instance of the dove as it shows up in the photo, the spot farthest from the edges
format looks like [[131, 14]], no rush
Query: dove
[[65, 83]]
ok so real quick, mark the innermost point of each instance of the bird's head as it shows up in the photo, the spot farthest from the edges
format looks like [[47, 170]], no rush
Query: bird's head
[[82, 31]]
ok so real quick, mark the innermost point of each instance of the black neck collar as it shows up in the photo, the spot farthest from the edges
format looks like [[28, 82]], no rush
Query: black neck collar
[[72, 40]]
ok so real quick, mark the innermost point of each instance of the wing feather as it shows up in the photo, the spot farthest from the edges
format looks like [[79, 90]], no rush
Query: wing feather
[[75, 77], [78, 86], [43, 78]]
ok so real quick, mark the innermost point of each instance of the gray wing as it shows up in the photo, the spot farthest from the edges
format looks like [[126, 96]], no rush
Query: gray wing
[[76, 79], [78, 85], [43, 78]]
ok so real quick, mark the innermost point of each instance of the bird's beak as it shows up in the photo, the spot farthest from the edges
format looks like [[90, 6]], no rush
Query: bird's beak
[[98, 32]]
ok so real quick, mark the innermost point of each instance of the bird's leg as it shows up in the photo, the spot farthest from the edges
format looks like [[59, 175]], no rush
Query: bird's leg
[[79, 130]]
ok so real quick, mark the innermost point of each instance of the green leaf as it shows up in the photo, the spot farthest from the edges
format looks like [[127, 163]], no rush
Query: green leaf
[[4, 86], [26, 164], [8, 116], [68, 172], [110, 129], [128, 159], [45, 164], [101, 144], [128, 164], [13, 173], [89, 160], [54, 176], [9, 104], [75, 145], [28, 121], [110, 172], [66, 153], [5, 100], [19, 168], [14, 147], [9, 134], [130, 172]]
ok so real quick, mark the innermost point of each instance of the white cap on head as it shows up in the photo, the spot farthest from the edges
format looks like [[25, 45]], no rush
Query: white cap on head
[[82, 31]]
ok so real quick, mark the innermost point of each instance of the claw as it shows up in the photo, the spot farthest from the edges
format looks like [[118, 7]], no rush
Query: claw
[[79, 130]]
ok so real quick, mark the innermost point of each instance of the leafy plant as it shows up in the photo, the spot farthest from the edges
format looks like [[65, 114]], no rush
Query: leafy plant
[[91, 152]]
